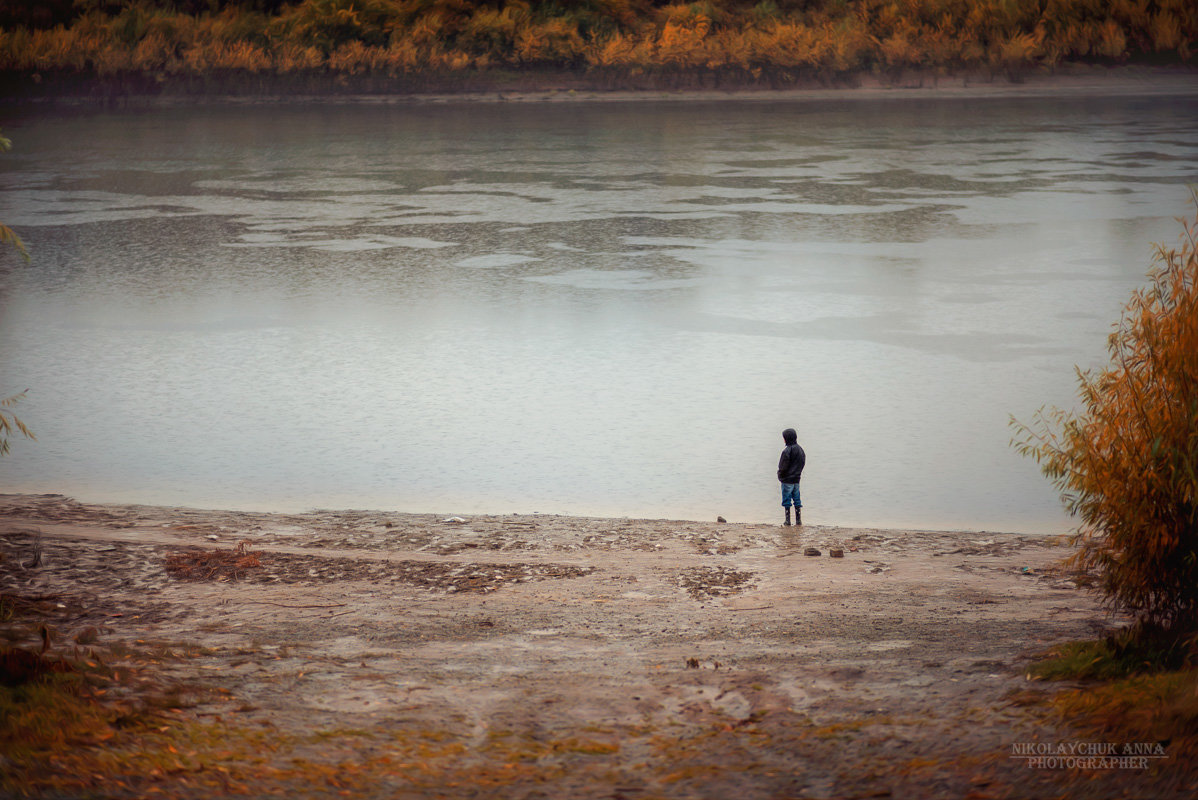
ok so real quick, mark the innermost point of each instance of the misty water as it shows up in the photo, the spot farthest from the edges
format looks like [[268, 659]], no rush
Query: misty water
[[580, 308]]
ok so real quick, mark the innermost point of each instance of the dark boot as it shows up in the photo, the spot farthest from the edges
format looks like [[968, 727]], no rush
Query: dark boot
[[787, 523], [798, 515]]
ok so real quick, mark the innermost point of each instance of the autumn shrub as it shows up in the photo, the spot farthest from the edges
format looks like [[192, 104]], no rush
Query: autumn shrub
[[791, 45], [354, 58], [1126, 463], [551, 42], [682, 41], [297, 58], [493, 32], [155, 52], [620, 52], [9, 237], [1165, 32], [10, 424], [329, 24], [1016, 50], [768, 41], [848, 43]]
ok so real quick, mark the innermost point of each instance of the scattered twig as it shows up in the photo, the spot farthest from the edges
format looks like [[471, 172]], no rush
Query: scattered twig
[[36, 560], [207, 565]]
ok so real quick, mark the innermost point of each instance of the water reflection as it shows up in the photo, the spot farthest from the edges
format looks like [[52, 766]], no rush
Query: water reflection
[[792, 540], [593, 309]]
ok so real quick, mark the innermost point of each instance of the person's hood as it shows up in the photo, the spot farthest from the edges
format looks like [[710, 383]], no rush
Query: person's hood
[[789, 436]]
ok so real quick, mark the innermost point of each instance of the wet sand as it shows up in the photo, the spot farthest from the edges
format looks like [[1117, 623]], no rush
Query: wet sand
[[548, 656]]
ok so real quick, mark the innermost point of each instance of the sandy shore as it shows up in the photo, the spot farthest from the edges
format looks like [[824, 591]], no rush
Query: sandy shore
[[407, 655]]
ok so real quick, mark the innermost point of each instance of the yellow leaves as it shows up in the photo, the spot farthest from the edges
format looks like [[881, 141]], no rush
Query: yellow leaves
[[682, 45], [897, 50], [1165, 32], [793, 45], [621, 51], [9, 422], [354, 58], [1019, 48], [292, 57], [213, 56], [1112, 41], [1127, 465], [155, 52], [554, 41], [360, 37]]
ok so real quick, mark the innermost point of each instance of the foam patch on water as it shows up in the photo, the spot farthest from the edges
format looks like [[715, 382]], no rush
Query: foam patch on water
[[268, 239], [1086, 203], [624, 280], [323, 184], [351, 245], [52, 207]]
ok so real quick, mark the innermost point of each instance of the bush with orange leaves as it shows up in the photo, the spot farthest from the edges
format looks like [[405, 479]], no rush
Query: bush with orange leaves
[[613, 39], [1127, 464]]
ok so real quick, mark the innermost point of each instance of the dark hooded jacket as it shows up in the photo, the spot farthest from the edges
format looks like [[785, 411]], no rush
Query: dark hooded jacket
[[790, 465]]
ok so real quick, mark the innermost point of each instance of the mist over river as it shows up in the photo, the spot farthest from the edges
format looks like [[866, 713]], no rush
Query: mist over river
[[584, 308]]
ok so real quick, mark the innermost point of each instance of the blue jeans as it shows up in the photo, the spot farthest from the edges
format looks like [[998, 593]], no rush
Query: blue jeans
[[790, 492]]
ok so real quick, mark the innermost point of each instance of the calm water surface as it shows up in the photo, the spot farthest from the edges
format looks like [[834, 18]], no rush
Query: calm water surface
[[598, 309]]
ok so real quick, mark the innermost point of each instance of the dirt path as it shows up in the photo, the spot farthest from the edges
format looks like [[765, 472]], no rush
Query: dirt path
[[397, 655]]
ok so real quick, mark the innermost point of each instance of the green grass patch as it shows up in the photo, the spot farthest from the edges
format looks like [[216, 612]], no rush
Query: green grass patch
[[1135, 651], [1096, 660]]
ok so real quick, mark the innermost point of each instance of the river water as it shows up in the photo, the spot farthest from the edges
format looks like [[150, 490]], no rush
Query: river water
[[591, 308]]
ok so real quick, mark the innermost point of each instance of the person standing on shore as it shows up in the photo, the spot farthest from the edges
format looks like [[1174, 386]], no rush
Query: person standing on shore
[[790, 471]]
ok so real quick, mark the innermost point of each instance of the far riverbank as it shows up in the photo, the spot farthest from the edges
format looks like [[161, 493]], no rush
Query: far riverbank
[[1076, 80]]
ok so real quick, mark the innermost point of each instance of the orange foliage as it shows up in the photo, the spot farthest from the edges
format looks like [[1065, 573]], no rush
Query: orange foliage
[[792, 45], [353, 58], [820, 37], [291, 57], [554, 42], [1112, 42], [1165, 32], [1127, 465], [1017, 49]]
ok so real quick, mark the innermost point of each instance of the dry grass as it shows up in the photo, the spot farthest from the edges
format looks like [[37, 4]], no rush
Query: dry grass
[[1127, 689], [212, 565]]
